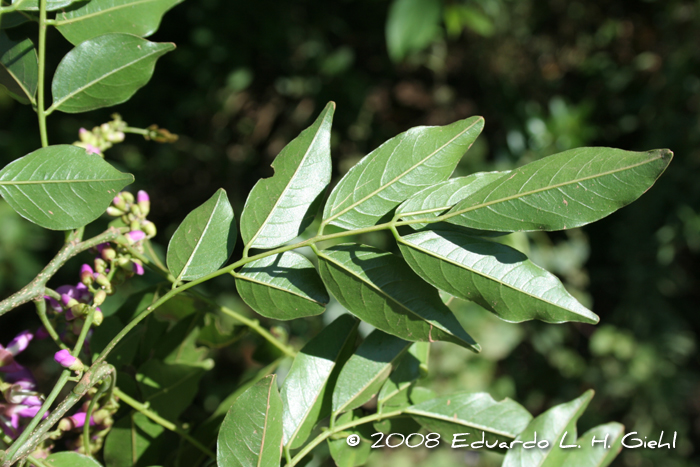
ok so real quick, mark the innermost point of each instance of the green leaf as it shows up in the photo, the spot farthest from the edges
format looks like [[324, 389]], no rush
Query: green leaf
[[412, 366], [136, 441], [496, 276], [13, 19], [598, 454], [169, 388], [97, 17], [411, 26], [281, 207], [19, 68], [70, 459], [364, 373], [434, 200], [399, 168], [61, 187], [378, 288], [251, 434], [563, 191], [104, 71], [475, 415], [51, 5], [552, 426], [204, 241], [345, 455], [305, 391], [283, 286]]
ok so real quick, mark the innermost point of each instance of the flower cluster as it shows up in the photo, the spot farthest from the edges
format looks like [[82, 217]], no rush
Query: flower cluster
[[18, 387], [102, 137]]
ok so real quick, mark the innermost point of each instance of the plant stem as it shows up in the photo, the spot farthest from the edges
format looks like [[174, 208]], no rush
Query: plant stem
[[83, 333], [40, 109], [142, 408], [41, 311], [254, 324], [328, 433], [35, 289], [91, 408]]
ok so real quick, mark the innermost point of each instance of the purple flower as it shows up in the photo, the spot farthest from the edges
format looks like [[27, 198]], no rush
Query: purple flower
[[92, 149], [142, 197], [15, 347], [64, 358], [137, 268], [136, 235]]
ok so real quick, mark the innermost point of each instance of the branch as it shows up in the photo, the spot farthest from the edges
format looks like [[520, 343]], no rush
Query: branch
[[35, 289]]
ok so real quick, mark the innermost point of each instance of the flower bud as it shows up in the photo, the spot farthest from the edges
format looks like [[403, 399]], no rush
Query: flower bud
[[100, 297], [85, 136], [136, 235], [66, 360], [109, 253], [100, 265], [69, 301], [135, 225], [102, 280], [128, 197], [120, 202], [98, 317], [86, 274], [144, 202], [79, 310], [149, 228], [114, 212], [123, 261]]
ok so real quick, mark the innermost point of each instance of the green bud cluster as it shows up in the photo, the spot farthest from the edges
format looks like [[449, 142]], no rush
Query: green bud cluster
[[102, 137]]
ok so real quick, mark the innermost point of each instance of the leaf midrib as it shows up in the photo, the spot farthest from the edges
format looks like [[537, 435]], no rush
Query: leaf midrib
[[545, 188], [286, 187], [19, 83], [482, 274], [199, 243], [267, 415], [381, 292], [159, 49], [401, 175], [240, 275], [433, 415], [47, 182], [76, 19]]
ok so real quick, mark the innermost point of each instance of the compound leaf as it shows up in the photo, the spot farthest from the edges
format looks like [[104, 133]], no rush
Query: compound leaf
[[283, 286], [366, 370], [496, 276], [378, 288], [61, 187], [475, 415], [205, 239], [557, 426], [251, 434], [97, 17], [104, 71], [305, 391], [281, 207], [19, 68], [399, 168], [563, 191]]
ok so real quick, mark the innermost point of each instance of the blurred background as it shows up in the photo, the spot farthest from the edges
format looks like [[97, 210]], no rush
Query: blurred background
[[547, 76]]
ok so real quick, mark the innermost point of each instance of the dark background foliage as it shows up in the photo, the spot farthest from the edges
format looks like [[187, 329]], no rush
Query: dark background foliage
[[547, 76]]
